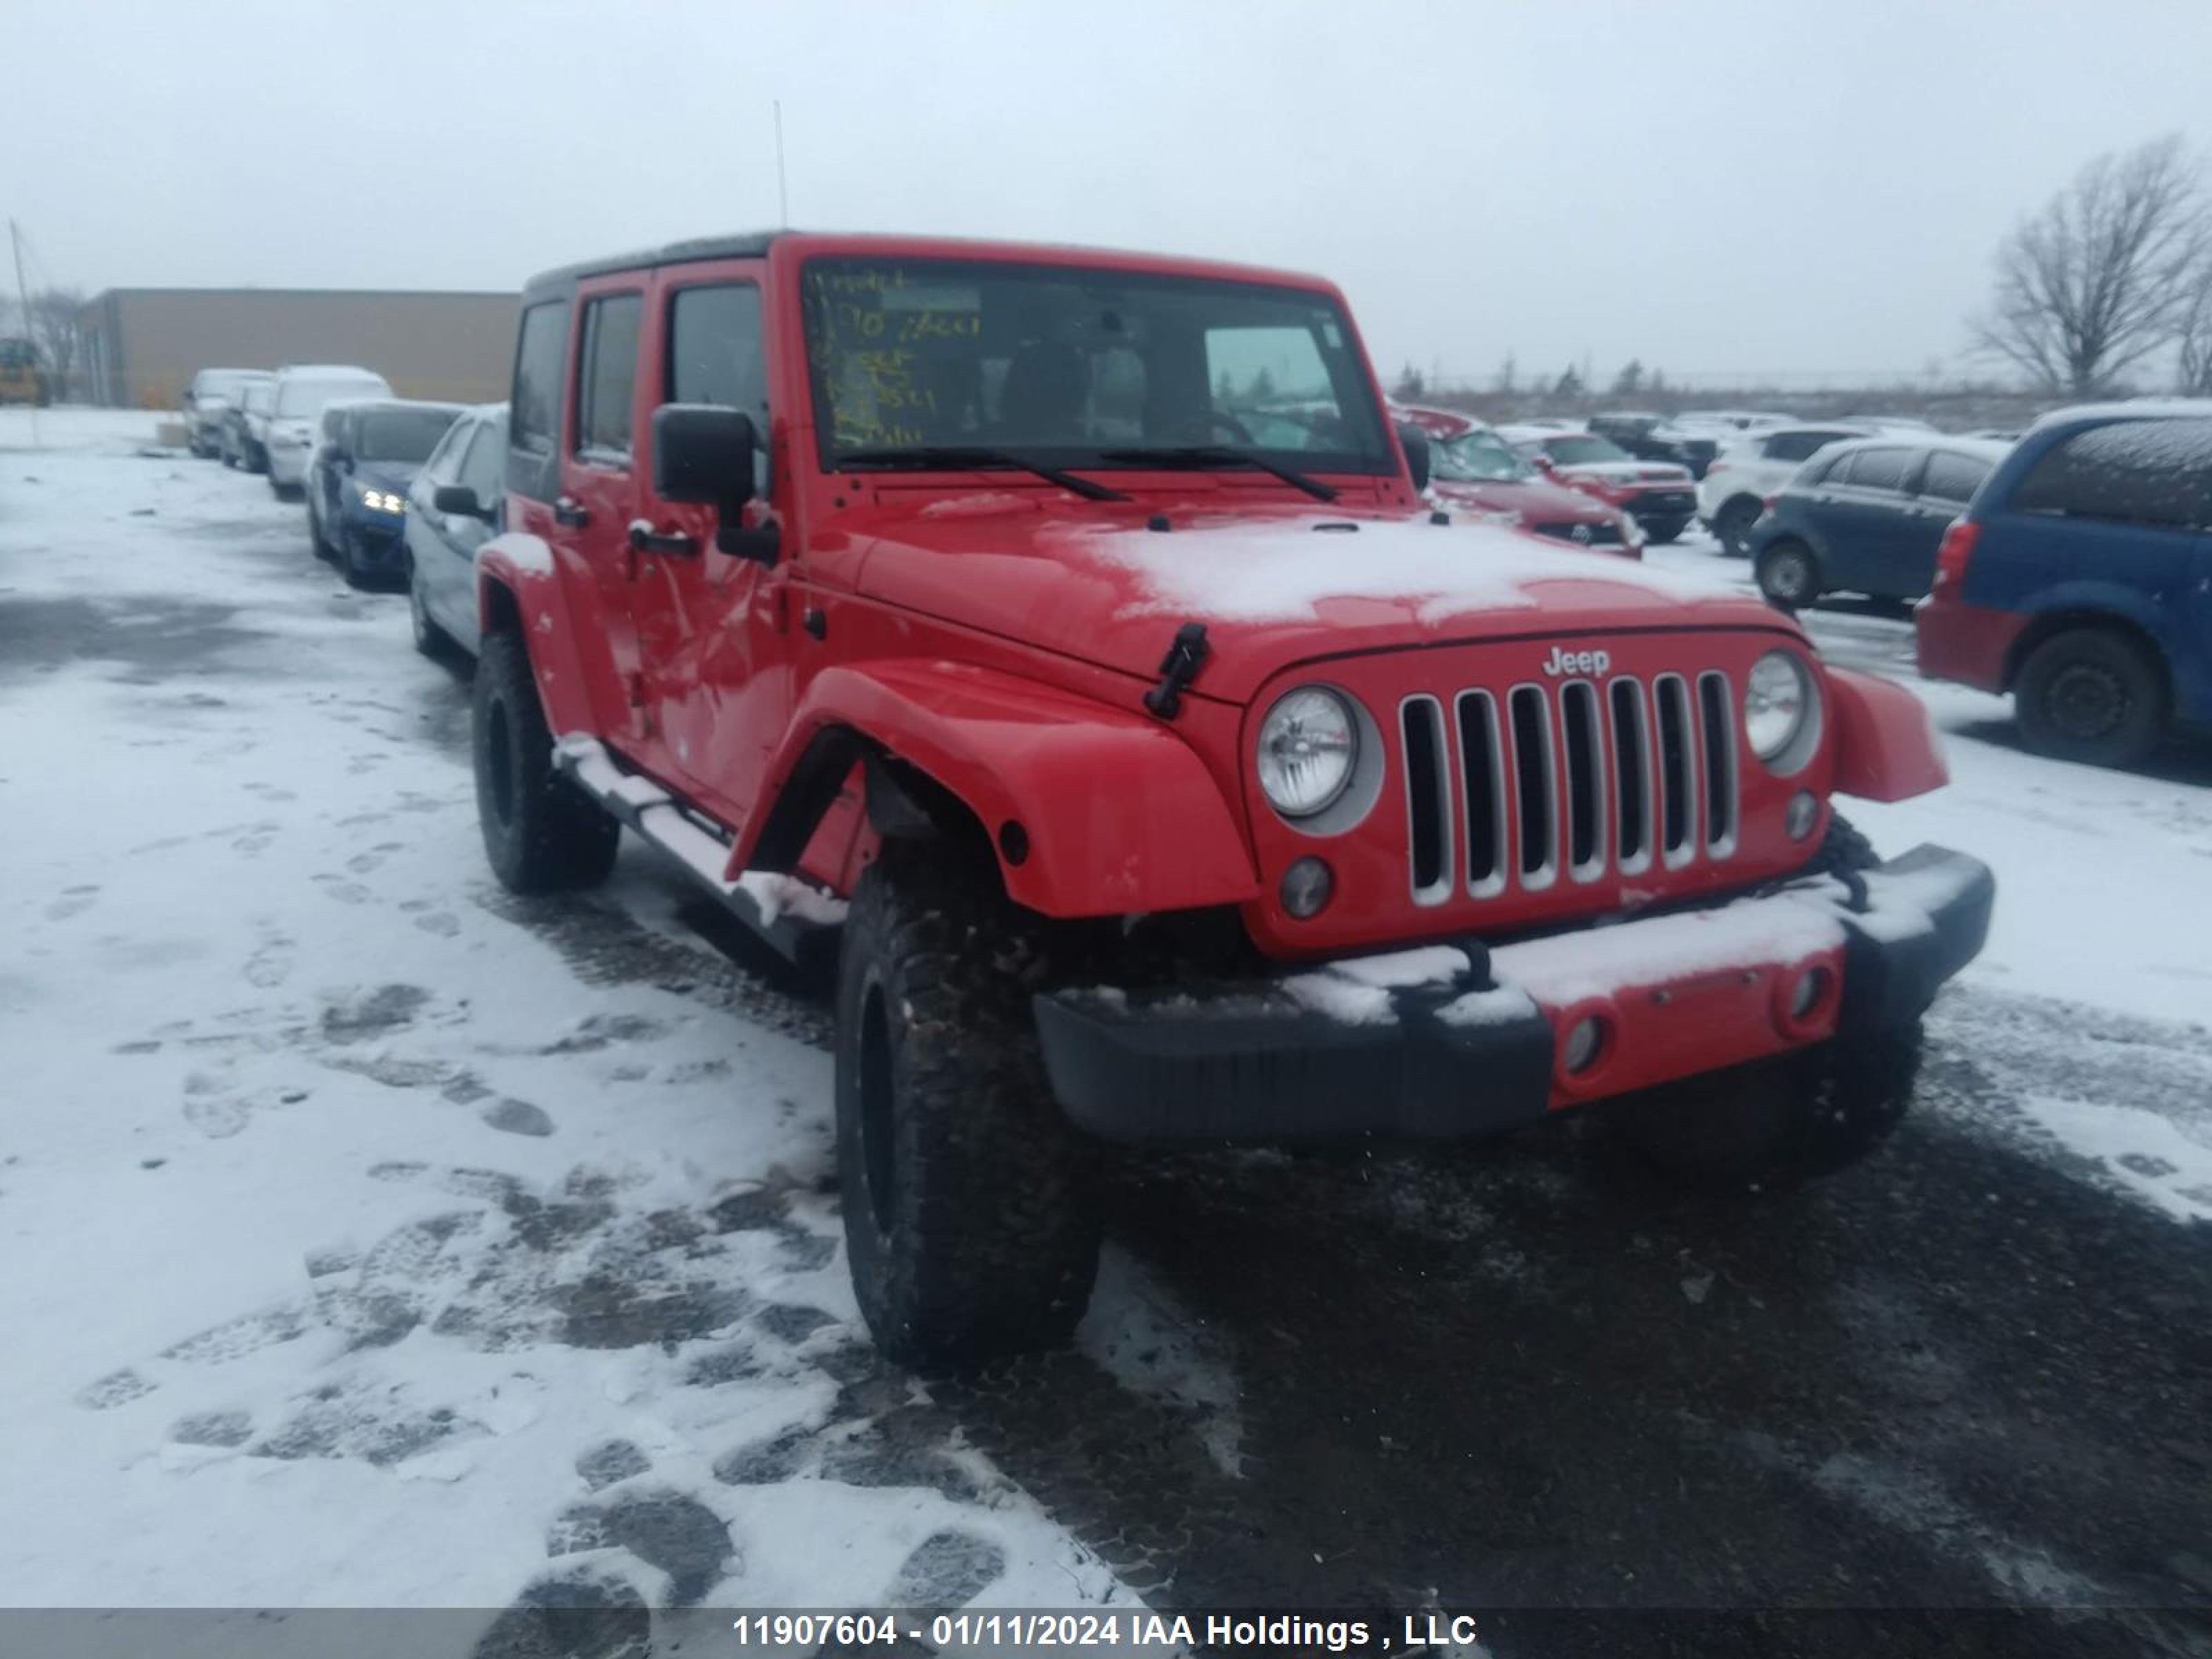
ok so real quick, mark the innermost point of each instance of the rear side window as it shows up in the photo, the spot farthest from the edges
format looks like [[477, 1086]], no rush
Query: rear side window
[[1880, 469], [2155, 473], [606, 393], [1797, 445], [537, 397], [1953, 478]]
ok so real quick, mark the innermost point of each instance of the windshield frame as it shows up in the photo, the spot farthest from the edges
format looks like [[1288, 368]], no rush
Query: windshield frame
[[1352, 376]]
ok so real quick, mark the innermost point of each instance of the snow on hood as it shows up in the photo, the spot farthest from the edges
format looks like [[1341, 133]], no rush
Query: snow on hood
[[1627, 471], [1286, 572]]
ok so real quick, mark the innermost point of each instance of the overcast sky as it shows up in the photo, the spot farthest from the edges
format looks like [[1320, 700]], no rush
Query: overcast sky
[[1716, 188]]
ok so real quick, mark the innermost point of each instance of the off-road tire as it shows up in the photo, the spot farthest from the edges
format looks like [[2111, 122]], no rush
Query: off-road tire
[[1789, 574], [969, 1226], [2090, 694], [1775, 1122], [541, 833], [1732, 526]]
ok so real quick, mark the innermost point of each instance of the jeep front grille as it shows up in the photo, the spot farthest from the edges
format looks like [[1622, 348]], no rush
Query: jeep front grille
[[1569, 783]]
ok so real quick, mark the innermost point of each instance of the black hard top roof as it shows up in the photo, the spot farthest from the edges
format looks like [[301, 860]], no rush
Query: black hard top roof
[[748, 245]]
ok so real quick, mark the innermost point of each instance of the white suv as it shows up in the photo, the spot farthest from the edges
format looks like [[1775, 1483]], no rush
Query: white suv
[[1733, 491], [303, 392]]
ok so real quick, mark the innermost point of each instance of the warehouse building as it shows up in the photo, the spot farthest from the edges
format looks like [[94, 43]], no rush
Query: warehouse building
[[141, 346]]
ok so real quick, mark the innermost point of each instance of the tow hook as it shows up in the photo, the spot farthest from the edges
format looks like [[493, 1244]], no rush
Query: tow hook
[[1177, 669]]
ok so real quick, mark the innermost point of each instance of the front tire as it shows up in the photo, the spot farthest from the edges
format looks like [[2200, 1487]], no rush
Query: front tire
[[1789, 574], [541, 834], [2090, 694], [968, 1229], [1663, 531]]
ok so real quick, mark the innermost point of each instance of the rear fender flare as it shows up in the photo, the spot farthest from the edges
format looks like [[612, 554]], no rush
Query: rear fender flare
[[518, 585], [1090, 810], [1886, 747]]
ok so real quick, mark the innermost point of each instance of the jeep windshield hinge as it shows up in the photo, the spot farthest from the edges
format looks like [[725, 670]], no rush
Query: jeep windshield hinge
[[1178, 669]]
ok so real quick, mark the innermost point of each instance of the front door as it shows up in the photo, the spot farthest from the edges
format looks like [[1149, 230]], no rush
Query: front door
[[599, 488], [717, 689]]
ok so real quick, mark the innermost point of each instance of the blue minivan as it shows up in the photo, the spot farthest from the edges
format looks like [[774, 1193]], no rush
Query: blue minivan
[[1867, 517], [2079, 580]]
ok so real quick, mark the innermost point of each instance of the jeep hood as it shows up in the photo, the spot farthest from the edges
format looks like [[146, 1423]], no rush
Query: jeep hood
[[1273, 589]]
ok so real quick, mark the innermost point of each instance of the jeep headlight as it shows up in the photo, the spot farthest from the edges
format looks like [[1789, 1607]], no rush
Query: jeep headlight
[[1781, 711], [1308, 745]]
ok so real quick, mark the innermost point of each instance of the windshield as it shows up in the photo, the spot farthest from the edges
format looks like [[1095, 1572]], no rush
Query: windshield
[[1580, 451], [1477, 458], [1084, 368], [402, 434], [308, 396]]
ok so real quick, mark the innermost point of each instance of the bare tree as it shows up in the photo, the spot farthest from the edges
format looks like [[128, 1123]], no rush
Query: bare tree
[[2193, 335], [2093, 283], [53, 325]]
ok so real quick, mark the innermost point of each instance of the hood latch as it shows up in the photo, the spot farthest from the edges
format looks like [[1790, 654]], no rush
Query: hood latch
[[1178, 669]]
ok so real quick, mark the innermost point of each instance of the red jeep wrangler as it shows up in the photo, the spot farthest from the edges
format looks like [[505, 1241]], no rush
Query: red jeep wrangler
[[1170, 784]]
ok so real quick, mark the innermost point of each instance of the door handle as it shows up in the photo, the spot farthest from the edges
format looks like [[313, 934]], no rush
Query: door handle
[[643, 538], [570, 512]]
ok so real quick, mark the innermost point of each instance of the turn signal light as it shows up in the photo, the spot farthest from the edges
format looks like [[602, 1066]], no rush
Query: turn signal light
[[1952, 556]]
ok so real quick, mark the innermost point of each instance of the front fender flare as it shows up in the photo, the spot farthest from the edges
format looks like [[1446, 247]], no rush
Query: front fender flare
[[1118, 813], [523, 567], [1886, 747]]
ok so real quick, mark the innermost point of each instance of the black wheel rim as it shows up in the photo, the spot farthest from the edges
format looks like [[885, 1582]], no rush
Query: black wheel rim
[[878, 1169], [2085, 701], [499, 757]]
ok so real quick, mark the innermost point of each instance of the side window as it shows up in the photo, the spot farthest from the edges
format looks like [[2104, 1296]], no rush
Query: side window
[[1953, 478], [536, 394], [607, 378], [485, 468], [716, 356], [446, 459], [2156, 473], [1791, 446], [1880, 469]]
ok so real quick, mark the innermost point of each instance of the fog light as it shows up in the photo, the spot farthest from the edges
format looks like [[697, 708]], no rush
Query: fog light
[[1585, 1042], [1801, 814], [1307, 885], [1805, 994]]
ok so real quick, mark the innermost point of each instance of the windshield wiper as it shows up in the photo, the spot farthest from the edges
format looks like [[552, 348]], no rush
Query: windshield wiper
[[930, 456], [1206, 455]]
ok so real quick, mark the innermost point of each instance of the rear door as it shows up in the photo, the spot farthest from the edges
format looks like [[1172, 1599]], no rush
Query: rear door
[[1948, 482], [1864, 511], [707, 621]]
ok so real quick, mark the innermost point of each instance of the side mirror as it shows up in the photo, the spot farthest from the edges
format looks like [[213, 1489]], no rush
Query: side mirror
[[1416, 445], [459, 498], [703, 453]]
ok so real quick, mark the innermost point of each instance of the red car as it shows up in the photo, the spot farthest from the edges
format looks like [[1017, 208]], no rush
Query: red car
[[1470, 466], [1158, 777], [1663, 496]]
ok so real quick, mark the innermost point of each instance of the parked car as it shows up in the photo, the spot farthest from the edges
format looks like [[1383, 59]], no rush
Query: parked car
[[1657, 438], [1471, 466], [22, 380], [363, 465], [2078, 581], [242, 433], [208, 402], [302, 392], [1661, 496], [457, 502], [1733, 491], [1866, 516], [1027, 692]]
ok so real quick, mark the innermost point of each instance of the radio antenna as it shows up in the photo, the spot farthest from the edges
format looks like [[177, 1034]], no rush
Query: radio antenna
[[782, 195]]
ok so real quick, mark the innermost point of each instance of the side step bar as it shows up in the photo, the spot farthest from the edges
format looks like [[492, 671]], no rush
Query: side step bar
[[794, 919]]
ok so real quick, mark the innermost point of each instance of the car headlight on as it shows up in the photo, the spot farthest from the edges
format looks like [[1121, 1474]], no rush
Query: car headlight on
[[1781, 711], [1309, 744], [377, 501]]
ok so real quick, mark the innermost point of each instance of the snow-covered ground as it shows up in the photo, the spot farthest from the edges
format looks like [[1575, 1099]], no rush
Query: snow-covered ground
[[378, 1238]]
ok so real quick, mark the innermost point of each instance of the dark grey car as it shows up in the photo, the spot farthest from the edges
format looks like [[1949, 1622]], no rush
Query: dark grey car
[[1866, 517], [456, 504]]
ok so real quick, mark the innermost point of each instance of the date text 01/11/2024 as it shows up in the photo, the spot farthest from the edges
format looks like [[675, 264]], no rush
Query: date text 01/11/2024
[[1105, 1628]]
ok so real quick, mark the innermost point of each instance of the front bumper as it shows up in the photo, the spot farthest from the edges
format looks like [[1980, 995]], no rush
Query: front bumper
[[377, 542], [287, 466], [1669, 501], [1420, 1046]]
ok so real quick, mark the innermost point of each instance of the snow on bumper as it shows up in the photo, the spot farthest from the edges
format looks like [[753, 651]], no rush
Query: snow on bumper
[[1450, 1042]]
